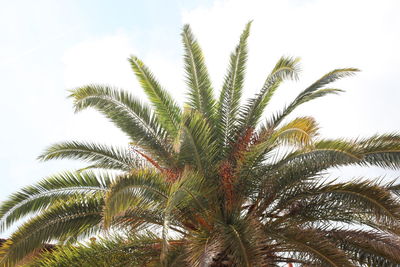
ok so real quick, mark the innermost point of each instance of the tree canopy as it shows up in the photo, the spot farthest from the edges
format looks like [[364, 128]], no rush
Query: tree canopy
[[216, 182]]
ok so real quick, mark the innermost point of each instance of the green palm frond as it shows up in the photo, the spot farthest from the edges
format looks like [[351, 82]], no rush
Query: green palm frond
[[117, 251], [368, 247], [394, 188], [382, 139], [311, 246], [168, 112], [189, 194], [139, 211], [300, 132], [381, 150], [301, 166], [315, 90], [183, 194], [242, 254], [197, 147], [245, 242], [368, 151], [356, 202], [73, 217], [286, 68], [328, 78], [129, 114], [139, 187], [201, 96], [371, 198], [39, 197], [99, 156], [327, 153], [201, 248], [138, 217], [229, 100]]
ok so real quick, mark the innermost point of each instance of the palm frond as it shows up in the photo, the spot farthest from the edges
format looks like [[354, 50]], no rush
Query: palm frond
[[285, 68], [299, 132], [326, 153], [99, 156], [366, 196], [368, 247], [73, 217], [200, 94], [184, 195], [168, 112], [197, 147], [129, 114], [394, 188], [309, 245], [368, 151], [363, 203], [135, 218], [229, 100], [138, 187], [302, 165], [314, 91], [39, 197], [245, 242], [381, 150], [118, 251]]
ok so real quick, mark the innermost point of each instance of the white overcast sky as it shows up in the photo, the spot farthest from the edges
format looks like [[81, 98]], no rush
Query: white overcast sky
[[47, 47]]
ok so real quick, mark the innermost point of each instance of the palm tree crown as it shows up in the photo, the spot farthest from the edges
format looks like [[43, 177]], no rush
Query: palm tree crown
[[210, 184]]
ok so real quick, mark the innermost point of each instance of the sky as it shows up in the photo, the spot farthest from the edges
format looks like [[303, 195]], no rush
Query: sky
[[49, 47]]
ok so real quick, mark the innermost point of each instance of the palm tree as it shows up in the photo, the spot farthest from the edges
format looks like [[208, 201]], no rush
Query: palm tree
[[212, 184]]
